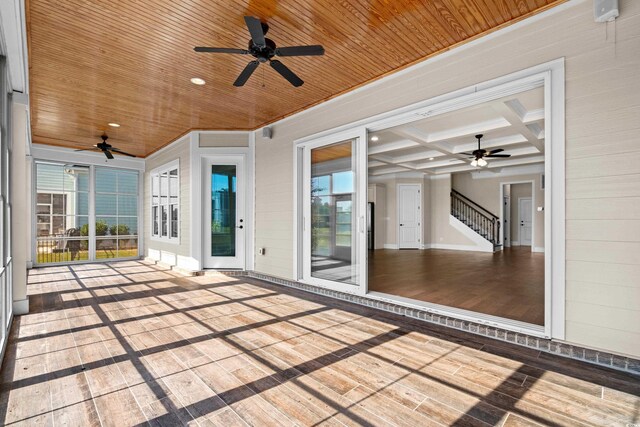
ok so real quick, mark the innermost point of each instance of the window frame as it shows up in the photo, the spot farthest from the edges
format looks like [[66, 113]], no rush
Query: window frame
[[157, 173]]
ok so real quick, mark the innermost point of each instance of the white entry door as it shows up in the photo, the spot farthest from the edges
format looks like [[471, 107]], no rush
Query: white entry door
[[409, 216], [524, 209], [224, 222]]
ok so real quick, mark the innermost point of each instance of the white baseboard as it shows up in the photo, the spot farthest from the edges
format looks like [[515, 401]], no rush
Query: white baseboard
[[21, 307], [538, 249], [515, 243], [470, 248], [390, 246]]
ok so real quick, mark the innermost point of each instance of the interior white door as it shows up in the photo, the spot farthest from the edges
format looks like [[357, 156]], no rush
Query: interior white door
[[525, 213], [224, 221], [409, 216]]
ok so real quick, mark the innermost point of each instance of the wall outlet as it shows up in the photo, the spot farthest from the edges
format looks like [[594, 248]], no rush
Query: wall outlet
[[262, 251]]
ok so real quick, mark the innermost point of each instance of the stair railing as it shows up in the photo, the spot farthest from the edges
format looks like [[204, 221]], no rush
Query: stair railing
[[479, 219]]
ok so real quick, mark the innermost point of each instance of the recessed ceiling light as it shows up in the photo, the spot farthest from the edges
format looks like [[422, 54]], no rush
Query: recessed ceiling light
[[114, 125], [374, 138], [197, 81], [430, 158]]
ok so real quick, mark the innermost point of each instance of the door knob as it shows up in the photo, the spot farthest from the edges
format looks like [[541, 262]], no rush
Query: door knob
[[240, 226], [401, 225]]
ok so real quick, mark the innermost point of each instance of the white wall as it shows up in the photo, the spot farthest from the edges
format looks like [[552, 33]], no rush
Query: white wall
[[21, 206], [602, 171]]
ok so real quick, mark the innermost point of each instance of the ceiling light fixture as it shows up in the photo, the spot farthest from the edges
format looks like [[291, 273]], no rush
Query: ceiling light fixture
[[114, 125], [482, 162], [374, 138], [197, 81], [474, 163]]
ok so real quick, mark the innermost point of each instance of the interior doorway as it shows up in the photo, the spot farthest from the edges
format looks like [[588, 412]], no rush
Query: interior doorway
[[409, 216], [525, 220]]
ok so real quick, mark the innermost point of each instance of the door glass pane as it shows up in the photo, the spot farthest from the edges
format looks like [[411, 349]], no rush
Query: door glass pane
[[332, 214], [62, 208], [223, 210]]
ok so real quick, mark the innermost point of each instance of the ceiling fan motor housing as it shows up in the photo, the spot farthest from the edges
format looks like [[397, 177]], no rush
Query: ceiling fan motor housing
[[264, 53]]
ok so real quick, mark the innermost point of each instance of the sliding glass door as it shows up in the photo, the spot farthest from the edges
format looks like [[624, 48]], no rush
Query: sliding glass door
[[85, 213], [333, 206]]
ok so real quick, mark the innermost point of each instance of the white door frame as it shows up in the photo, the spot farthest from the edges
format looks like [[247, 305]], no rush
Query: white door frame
[[551, 76], [302, 255], [533, 211], [420, 214], [239, 260], [533, 218], [196, 246]]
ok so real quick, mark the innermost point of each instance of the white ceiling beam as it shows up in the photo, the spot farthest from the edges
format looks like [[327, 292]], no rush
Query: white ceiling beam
[[514, 113], [385, 171], [392, 146]]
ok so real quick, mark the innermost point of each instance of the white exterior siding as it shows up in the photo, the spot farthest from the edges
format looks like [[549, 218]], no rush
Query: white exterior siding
[[602, 114]]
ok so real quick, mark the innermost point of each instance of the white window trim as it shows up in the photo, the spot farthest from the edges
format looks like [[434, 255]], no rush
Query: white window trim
[[175, 164]]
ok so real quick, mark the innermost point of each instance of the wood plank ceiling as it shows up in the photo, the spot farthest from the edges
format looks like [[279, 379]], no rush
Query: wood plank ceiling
[[130, 62]]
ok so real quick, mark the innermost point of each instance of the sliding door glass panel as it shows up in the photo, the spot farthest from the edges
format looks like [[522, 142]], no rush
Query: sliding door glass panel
[[116, 213], [62, 209], [332, 215], [223, 210]]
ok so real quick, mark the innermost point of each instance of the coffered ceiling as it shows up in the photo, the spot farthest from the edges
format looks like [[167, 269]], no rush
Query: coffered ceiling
[[130, 62], [434, 145]]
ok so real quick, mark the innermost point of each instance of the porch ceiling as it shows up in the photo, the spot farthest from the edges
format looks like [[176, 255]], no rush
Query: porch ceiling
[[92, 63]]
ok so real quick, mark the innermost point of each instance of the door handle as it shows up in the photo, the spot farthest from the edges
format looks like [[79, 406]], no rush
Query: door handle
[[401, 225], [240, 227]]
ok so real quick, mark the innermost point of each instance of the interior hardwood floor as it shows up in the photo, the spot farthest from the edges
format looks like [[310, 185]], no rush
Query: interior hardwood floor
[[130, 343], [507, 284]]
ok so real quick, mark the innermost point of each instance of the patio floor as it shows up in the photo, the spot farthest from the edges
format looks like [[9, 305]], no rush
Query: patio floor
[[131, 343]]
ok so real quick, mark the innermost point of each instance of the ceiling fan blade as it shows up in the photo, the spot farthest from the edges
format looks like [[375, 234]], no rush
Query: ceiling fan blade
[[497, 150], [255, 29], [220, 50], [467, 154], [246, 73], [119, 151], [498, 155], [315, 50], [286, 73], [89, 149], [108, 154]]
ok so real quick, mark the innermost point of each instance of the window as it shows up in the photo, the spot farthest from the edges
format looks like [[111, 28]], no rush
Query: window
[[165, 202]]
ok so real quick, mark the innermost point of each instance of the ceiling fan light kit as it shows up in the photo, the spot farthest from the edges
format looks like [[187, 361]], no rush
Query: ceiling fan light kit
[[263, 50]]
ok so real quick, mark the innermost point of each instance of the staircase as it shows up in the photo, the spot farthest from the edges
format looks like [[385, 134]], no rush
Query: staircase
[[476, 218]]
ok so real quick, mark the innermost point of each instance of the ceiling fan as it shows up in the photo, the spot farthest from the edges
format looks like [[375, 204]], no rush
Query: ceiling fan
[[480, 154], [264, 49], [107, 148]]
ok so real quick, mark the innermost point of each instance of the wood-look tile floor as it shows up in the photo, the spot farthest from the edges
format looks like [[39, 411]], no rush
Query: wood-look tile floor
[[508, 284], [132, 344]]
